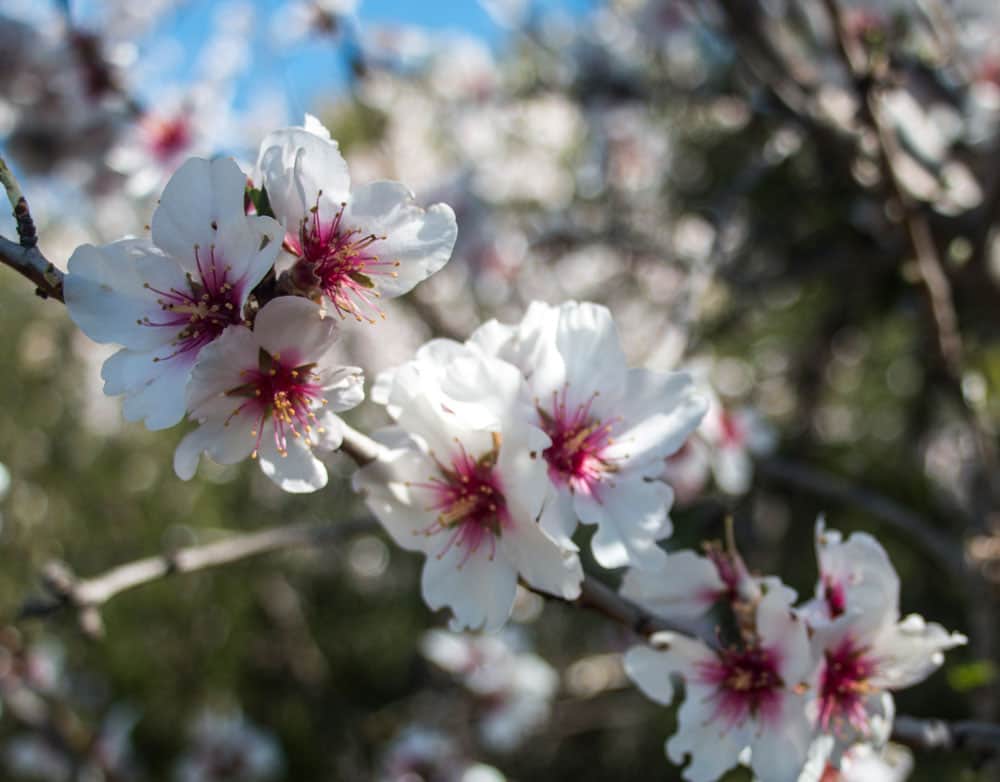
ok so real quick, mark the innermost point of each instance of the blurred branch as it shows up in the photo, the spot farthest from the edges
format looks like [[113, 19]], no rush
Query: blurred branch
[[930, 734], [869, 80], [86, 596], [833, 487]]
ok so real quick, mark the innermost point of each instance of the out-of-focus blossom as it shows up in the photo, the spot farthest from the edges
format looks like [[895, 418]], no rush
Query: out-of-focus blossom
[[515, 688], [723, 448], [862, 763], [164, 300], [226, 746], [420, 754], [271, 393], [293, 22], [109, 758]]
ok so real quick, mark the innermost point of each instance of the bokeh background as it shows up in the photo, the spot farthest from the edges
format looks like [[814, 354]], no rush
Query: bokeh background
[[711, 171]]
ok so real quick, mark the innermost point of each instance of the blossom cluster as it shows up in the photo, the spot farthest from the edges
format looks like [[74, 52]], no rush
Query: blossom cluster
[[231, 318], [502, 445], [501, 450], [804, 690]]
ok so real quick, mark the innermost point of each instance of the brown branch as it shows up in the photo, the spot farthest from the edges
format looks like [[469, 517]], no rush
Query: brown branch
[[88, 595], [24, 256], [29, 262], [833, 487]]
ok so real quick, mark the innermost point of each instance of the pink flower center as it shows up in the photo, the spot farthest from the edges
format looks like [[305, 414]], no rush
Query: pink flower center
[[283, 392], [202, 312], [341, 263], [747, 684], [844, 685], [578, 455], [167, 138], [835, 596], [732, 429], [469, 499]]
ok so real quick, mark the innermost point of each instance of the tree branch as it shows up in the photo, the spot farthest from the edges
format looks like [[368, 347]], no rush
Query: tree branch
[[29, 262], [24, 256], [88, 595], [833, 487]]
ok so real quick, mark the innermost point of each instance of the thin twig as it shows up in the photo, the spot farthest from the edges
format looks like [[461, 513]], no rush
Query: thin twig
[[88, 595], [931, 734], [22, 214]]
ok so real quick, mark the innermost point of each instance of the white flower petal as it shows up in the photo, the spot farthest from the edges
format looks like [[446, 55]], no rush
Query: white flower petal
[[543, 563], [713, 748], [780, 752], [685, 586], [782, 629], [225, 442], [201, 196], [651, 672], [296, 166], [631, 516], [247, 247], [479, 590], [401, 508], [910, 651], [587, 338], [154, 390], [662, 409], [420, 241], [294, 326], [296, 471], [106, 293]]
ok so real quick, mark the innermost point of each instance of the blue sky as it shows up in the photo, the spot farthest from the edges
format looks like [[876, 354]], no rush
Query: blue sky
[[315, 67]]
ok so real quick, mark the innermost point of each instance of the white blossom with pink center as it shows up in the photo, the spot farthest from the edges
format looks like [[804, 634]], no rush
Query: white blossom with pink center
[[164, 300], [351, 248], [739, 698], [226, 747], [460, 480], [271, 393], [610, 427], [723, 447], [865, 649]]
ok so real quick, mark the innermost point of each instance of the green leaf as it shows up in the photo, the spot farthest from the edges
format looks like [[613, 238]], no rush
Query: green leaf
[[972, 676]]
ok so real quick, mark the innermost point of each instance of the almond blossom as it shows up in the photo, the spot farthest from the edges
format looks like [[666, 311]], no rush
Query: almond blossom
[[610, 427], [865, 649], [736, 698], [459, 480], [515, 687], [166, 299], [723, 448], [228, 746], [351, 248], [271, 393]]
